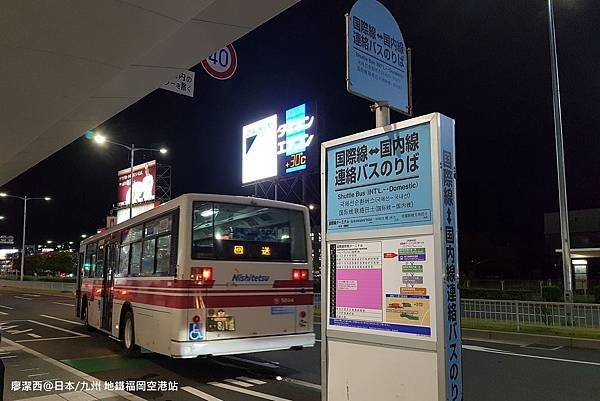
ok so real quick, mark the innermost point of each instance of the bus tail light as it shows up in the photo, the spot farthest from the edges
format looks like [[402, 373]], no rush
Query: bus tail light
[[300, 274], [203, 274]]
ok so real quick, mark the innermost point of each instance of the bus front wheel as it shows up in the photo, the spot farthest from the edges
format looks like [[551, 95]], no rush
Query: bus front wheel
[[129, 345]]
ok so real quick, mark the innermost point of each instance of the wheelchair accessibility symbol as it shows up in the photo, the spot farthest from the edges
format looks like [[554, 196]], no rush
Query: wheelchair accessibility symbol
[[195, 332]]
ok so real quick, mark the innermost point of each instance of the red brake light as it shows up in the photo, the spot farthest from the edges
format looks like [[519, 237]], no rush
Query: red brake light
[[202, 274], [207, 274], [300, 274]]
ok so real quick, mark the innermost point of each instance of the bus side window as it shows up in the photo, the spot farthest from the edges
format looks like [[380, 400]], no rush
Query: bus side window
[[136, 259], [89, 265], [123, 266]]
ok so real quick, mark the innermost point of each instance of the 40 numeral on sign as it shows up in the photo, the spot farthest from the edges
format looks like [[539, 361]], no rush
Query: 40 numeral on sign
[[222, 63]]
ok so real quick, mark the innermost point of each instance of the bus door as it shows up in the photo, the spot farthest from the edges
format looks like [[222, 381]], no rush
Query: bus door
[[79, 277], [108, 284]]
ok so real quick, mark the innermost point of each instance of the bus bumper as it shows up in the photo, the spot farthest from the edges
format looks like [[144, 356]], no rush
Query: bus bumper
[[192, 349]]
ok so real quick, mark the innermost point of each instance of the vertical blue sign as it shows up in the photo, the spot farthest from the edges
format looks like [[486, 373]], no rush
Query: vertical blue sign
[[450, 258], [377, 61], [295, 135]]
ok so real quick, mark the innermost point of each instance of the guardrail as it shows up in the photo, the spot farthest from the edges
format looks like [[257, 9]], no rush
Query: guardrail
[[522, 313], [39, 285], [526, 313]]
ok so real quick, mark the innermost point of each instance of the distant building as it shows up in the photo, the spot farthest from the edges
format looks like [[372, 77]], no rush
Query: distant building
[[584, 228]]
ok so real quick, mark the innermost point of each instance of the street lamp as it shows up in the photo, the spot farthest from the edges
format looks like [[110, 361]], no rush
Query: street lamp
[[560, 162], [101, 139], [25, 199]]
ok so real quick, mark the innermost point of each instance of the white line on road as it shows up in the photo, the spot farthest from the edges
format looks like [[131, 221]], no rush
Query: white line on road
[[34, 335], [50, 338], [248, 392], [251, 380], [38, 374], [201, 394], [3, 313], [8, 357], [28, 370], [7, 327], [58, 328], [32, 295], [18, 331], [27, 299], [302, 383], [62, 303], [62, 320], [269, 364], [6, 307], [238, 383], [508, 353]]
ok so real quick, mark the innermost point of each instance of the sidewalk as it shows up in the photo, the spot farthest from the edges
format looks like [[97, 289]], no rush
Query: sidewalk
[[30, 375]]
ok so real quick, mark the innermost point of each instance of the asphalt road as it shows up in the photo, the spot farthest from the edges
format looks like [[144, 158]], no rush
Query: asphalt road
[[46, 325]]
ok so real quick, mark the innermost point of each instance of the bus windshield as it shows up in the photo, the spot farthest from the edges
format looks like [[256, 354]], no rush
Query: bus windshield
[[242, 232]]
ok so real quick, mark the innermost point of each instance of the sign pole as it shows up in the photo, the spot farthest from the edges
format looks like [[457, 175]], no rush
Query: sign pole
[[382, 113]]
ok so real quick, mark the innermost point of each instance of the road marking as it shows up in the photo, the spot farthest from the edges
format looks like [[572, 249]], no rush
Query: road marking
[[62, 303], [58, 328], [32, 295], [18, 331], [28, 370], [318, 340], [38, 374], [200, 394], [302, 383], [50, 338], [34, 335], [238, 382], [7, 357], [3, 313], [62, 320], [251, 380], [73, 371], [248, 392], [268, 364], [508, 353], [542, 347], [6, 307], [27, 299], [8, 327]]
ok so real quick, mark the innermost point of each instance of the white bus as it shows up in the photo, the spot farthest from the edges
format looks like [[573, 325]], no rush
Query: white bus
[[202, 275]]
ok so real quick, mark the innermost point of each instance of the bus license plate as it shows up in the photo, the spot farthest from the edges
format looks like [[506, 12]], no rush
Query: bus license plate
[[225, 323]]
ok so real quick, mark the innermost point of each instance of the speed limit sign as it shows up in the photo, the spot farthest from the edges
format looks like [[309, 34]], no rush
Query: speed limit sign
[[222, 63]]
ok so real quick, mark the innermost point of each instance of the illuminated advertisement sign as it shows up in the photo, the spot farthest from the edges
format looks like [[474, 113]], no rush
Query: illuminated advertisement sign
[[144, 184], [278, 145]]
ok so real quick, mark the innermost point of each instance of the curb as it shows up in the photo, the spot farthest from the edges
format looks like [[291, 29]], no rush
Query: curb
[[571, 342]]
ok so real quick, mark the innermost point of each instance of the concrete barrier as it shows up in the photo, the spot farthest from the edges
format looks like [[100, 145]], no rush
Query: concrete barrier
[[39, 285]]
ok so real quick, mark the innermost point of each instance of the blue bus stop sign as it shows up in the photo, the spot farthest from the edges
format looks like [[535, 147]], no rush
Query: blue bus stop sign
[[377, 62]]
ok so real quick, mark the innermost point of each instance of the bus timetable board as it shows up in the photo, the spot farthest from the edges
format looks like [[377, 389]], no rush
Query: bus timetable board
[[391, 300]]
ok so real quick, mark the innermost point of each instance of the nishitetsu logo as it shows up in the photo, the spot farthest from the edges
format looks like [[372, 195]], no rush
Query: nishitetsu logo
[[249, 277]]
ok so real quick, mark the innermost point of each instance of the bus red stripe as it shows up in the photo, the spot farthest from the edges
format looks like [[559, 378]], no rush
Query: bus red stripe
[[192, 302]]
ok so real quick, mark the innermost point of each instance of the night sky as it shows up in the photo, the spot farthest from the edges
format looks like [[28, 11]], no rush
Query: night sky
[[484, 63]]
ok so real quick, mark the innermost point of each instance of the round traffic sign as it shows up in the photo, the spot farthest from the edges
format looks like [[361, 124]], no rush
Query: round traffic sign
[[222, 63]]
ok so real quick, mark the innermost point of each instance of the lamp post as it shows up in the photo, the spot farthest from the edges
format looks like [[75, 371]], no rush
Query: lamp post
[[560, 163], [101, 139], [25, 199]]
